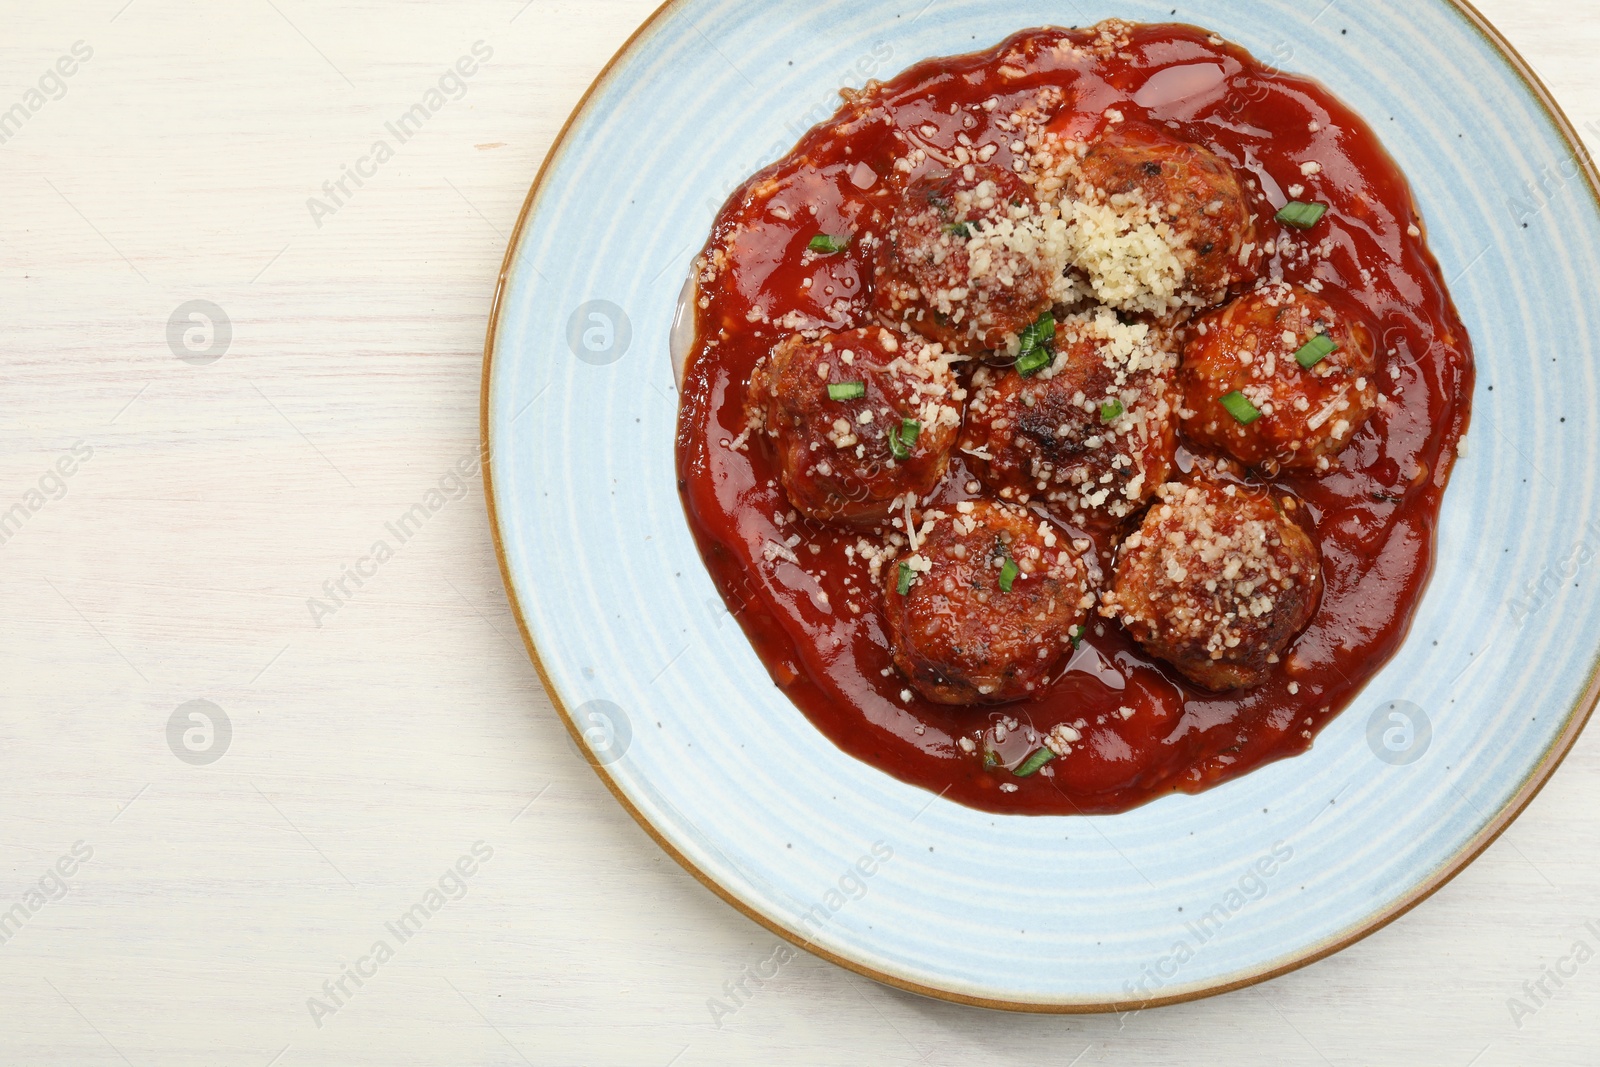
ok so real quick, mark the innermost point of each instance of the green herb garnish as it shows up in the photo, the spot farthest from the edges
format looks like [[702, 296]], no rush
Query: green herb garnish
[[1111, 411], [1240, 408], [908, 577], [1009, 571], [1036, 346], [1033, 362], [1042, 332], [847, 391], [828, 244], [1302, 216], [903, 442], [959, 229], [1033, 763], [1315, 351]]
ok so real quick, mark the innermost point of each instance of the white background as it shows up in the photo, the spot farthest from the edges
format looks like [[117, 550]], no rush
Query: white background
[[369, 753]]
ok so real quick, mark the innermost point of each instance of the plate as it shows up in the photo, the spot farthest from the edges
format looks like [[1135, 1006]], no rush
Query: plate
[[1187, 896]]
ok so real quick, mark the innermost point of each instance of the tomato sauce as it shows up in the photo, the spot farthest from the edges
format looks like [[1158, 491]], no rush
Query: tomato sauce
[[1149, 733]]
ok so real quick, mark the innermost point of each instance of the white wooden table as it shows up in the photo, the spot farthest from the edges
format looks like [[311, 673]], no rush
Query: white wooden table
[[208, 502]]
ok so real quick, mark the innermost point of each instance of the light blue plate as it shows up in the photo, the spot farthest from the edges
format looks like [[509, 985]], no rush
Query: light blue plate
[[1169, 902]]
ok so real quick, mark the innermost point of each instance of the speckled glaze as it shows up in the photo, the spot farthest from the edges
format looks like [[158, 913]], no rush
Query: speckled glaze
[[1188, 895]]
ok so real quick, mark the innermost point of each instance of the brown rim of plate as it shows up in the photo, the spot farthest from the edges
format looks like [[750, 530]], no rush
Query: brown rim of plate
[[1531, 785]]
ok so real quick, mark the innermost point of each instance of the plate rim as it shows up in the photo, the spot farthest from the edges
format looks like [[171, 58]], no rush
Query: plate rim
[[1532, 784]]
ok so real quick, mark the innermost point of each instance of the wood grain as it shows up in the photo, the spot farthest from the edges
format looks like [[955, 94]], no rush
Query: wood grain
[[371, 752]]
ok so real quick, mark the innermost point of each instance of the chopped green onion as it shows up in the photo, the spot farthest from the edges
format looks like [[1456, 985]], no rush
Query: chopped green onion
[[828, 244], [961, 229], [1111, 411], [1042, 332], [907, 578], [1033, 763], [1302, 216], [1240, 408], [1033, 362], [903, 442], [847, 391], [1316, 350], [1008, 574], [990, 760], [1036, 346], [1077, 638]]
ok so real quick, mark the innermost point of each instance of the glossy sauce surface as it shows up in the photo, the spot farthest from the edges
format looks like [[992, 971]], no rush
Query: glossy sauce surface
[[1146, 732]]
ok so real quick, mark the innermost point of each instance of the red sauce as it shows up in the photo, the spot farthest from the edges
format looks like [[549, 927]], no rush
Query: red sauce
[[1376, 518]]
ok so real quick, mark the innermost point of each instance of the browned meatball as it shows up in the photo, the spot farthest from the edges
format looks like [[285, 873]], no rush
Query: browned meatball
[[970, 259], [1164, 192], [1092, 435], [859, 420], [1280, 414], [991, 599], [1217, 582]]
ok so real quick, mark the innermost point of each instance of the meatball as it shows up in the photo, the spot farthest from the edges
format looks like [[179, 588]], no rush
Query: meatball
[[982, 610], [1246, 393], [1092, 435], [1218, 581], [1159, 223], [860, 420], [971, 260]]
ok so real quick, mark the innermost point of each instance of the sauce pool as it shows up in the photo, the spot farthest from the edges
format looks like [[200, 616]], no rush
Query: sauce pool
[[1147, 733]]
